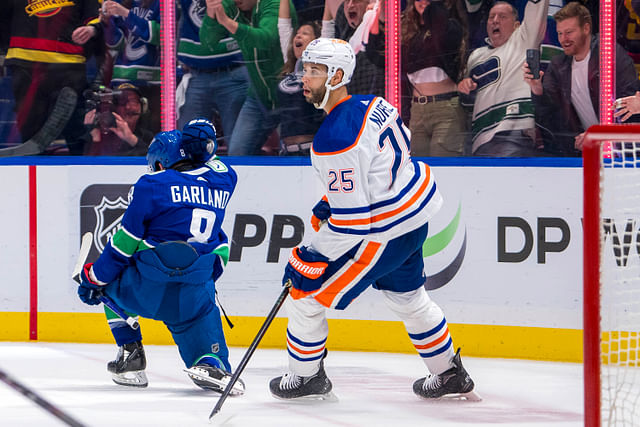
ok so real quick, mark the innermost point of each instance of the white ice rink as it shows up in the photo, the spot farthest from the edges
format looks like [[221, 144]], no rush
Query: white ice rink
[[374, 389]]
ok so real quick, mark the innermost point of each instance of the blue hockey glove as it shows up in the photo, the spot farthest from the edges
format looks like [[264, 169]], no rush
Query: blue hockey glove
[[89, 291], [321, 212], [305, 270]]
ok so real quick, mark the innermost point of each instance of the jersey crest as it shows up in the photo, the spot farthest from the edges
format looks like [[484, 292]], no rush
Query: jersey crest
[[486, 73], [46, 8]]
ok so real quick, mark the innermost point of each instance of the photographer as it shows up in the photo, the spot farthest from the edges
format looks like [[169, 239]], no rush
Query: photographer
[[113, 122]]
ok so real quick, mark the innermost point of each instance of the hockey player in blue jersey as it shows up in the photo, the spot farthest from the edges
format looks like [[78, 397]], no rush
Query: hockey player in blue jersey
[[164, 260], [376, 212]]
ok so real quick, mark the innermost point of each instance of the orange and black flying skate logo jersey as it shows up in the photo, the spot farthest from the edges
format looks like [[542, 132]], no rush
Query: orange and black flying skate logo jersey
[[46, 8]]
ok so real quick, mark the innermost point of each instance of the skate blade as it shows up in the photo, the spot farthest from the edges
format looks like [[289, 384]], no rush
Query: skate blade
[[326, 397], [131, 379], [471, 396], [236, 390]]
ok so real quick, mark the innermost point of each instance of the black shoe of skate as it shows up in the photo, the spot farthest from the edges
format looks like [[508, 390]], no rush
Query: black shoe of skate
[[455, 382], [292, 386], [128, 368], [211, 378]]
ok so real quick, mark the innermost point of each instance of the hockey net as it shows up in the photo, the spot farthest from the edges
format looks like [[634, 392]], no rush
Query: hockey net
[[611, 267]]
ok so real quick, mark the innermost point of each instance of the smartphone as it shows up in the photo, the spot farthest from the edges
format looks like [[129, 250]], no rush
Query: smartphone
[[533, 60]]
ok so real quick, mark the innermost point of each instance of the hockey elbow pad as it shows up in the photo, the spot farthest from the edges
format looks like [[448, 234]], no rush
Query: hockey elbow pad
[[305, 269], [321, 212]]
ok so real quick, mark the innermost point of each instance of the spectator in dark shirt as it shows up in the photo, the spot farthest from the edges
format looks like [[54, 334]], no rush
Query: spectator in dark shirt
[[567, 96], [122, 137], [299, 120], [46, 54], [433, 46]]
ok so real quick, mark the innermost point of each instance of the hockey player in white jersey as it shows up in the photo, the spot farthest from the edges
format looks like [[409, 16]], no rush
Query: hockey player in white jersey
[[377, 207], [503, 122]]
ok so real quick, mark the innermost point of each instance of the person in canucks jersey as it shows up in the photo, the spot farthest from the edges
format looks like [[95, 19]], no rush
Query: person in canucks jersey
[[503, 119], [132, 34], [376, 216], [163, 262]]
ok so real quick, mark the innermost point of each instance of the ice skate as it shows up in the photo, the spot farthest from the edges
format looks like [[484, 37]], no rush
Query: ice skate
[[292, 386], [455, 382], [209, 377], [128, 368]]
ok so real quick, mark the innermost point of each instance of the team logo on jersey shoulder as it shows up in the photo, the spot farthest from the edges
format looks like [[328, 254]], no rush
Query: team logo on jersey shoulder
[[218, 166]]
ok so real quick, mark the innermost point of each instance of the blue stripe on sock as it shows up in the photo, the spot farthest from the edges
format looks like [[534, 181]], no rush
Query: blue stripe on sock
[[429, 333], [438, 351], [304, 343], [295, 356]]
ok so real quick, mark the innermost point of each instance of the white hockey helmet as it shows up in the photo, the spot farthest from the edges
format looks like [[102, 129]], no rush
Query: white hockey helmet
[[335, 54]]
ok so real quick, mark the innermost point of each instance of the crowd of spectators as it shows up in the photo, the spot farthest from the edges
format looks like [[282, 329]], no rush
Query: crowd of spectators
[[466, 88]]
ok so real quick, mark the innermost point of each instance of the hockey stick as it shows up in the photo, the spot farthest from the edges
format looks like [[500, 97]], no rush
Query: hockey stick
[[31, 395], [252, 348], [85, 247], [53, 126]]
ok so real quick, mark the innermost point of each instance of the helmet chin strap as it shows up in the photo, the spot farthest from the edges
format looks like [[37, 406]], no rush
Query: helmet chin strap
[[327, 85]]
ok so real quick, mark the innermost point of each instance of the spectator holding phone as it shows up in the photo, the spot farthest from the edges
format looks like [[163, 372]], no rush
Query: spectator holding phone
[[567, 96], [503, 121]]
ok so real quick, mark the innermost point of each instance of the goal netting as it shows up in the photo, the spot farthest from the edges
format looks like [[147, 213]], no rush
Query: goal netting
[[611, 157]]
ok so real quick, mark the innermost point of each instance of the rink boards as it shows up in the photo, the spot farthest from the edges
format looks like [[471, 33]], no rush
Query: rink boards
[[504, 255]]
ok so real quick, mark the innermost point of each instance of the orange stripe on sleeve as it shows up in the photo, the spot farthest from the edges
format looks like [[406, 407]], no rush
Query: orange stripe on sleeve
[[326, 296]]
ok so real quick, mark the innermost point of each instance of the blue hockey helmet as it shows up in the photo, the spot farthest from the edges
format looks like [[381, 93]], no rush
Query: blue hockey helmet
[[199, 139], [165, 149]]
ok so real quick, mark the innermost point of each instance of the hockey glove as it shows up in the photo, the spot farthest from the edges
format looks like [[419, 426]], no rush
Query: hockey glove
[[305, 270], [89, 290], [321, 212]]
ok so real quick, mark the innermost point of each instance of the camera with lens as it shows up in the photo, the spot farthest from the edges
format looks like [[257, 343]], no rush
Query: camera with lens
[[103, 100]]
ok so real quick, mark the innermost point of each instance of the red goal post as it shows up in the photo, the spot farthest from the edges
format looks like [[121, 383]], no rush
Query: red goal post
[[611, 316]]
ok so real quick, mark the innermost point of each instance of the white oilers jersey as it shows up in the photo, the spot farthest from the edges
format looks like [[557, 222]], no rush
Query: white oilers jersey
[[375, 190], [503, 99]]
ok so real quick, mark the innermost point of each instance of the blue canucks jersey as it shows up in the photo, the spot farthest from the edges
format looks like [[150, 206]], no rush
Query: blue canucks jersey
[[191, 52], [137, 37], [172, 206]]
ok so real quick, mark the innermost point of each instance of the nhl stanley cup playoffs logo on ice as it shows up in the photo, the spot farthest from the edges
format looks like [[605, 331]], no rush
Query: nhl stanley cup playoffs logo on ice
[[101, 209], [46, 8]]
